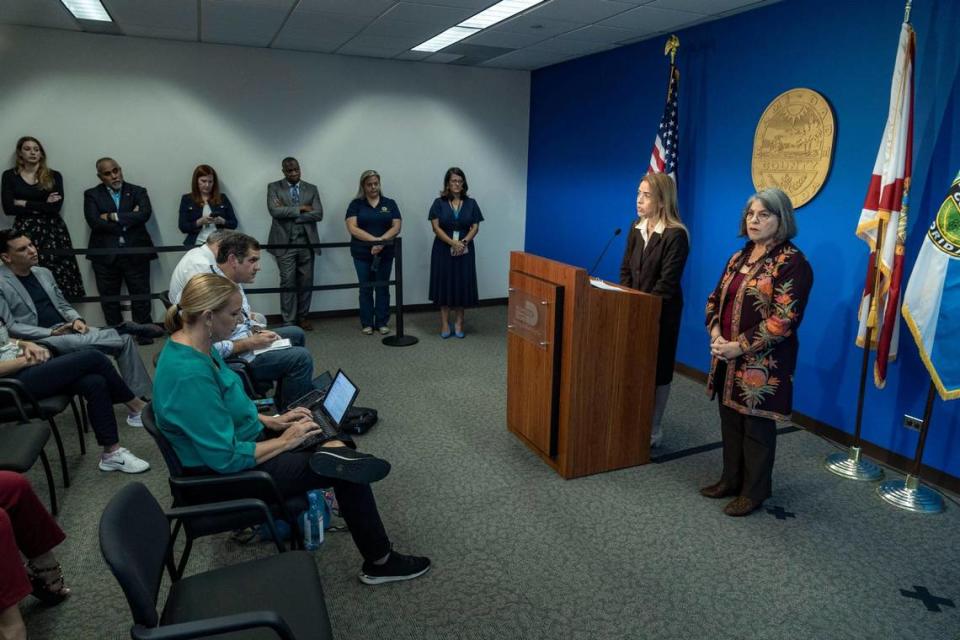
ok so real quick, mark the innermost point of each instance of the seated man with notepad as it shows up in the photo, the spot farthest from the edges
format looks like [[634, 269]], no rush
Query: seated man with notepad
[[272, 355]]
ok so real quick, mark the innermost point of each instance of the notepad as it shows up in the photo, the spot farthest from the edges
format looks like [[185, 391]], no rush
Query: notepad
[[282, 343]]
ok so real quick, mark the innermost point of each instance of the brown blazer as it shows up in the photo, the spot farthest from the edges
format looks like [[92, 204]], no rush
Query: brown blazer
[[656, 268], [767, 310]]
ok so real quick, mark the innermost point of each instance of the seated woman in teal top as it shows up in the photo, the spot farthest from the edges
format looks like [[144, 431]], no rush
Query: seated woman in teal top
[[201, 407]]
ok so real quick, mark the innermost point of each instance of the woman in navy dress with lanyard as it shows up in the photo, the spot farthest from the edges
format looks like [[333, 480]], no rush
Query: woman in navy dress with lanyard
[[456, 220], [372, 217]]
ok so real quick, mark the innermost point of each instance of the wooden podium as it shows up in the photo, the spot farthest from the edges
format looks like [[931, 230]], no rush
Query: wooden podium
[[581, 365]]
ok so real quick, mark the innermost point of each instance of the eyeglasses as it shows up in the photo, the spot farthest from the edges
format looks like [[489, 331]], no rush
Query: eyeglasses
[[759, 216]]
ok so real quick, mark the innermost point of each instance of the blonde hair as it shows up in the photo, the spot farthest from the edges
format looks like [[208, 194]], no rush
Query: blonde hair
[[204, 292], [369, 173], [44, 174], [665, 191]]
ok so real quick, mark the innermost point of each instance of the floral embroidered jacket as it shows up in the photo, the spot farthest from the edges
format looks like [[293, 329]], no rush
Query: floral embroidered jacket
[[767, 310]]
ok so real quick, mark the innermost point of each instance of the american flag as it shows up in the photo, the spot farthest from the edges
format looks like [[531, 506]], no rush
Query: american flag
[[663, 158]]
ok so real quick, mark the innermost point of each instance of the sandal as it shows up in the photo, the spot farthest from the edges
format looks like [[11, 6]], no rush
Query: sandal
[[48, 584]]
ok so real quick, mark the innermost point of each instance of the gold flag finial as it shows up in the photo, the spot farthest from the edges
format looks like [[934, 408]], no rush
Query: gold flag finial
[[673, 43], [906, 11]]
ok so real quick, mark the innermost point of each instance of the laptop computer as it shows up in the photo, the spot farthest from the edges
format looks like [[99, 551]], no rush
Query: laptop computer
[[329, 407]]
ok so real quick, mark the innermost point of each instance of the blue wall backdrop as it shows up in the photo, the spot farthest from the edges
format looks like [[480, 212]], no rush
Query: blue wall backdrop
[[593, 121]]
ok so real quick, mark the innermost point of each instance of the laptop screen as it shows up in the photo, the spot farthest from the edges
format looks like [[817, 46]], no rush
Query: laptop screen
[[339, 397]]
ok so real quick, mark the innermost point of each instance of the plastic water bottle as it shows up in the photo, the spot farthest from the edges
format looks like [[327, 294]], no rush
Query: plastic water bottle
[[313, 521]]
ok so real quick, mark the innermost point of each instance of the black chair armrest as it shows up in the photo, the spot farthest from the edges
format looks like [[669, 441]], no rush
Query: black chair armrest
[[234, 486], [228, 506], [216, 626], [21, 396]]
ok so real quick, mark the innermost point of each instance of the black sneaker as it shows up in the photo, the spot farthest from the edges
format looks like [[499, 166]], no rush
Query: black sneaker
[[397, 567], [347, 464], [150, 330]]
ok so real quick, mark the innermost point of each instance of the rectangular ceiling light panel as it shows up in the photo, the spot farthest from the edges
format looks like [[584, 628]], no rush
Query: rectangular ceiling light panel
[[486, 18], [87, 10]]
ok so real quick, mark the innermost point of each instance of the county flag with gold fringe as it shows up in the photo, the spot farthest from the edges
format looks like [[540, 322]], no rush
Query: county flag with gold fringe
[[883, 220], [931, 304]]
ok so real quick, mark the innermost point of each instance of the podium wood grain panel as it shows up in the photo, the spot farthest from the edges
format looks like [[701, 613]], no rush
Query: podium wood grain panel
[[603, 400]]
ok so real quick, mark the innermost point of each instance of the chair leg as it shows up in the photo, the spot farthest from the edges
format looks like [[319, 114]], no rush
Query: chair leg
[[63, 456], [182, 565], [83, 414], [53, 488], [79, 421]]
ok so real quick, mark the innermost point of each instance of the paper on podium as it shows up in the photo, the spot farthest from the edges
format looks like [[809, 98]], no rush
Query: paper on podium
[[603, 284]]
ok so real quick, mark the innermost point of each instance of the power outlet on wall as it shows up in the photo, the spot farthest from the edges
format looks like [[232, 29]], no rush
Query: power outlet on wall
[[912, 423]]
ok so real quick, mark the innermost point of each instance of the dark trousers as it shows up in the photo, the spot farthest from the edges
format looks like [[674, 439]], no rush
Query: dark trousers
[[135, 272], [87, 373], [291, 471], [25, 527], [749, 448], [372, 314], [296, 271]]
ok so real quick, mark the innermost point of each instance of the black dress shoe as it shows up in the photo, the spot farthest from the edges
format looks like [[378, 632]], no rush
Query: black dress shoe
[[718, 490], [141, 330], [741, 506], [144, 340]]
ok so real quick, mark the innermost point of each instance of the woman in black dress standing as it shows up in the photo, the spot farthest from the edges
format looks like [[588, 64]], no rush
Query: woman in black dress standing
[[33, 194], [456, 220], [657, 250]]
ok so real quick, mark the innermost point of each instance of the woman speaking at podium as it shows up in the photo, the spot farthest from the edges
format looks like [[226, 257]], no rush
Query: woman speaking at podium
[[653, 262]]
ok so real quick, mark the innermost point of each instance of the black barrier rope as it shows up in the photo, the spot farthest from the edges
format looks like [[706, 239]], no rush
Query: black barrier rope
[[397, 340]]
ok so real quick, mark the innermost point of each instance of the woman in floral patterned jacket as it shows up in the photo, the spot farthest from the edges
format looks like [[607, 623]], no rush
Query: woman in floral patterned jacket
[[752, 317]]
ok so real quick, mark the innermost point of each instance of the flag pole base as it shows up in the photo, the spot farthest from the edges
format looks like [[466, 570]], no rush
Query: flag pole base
[[852, 466], [910, 495]]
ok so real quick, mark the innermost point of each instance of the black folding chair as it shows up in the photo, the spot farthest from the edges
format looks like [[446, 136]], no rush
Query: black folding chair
[[19, 405], [278, 596], [21, 445], [196, 486]]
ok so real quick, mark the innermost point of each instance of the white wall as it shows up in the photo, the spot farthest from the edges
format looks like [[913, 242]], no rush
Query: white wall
[[162, 107]]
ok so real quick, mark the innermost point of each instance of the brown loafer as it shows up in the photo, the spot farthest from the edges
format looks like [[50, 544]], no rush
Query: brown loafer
[[741, 506], [718, 490], [305, 324]]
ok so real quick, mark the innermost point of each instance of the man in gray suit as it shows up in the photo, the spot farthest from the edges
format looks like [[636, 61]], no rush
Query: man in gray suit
[[33, 308], [296, 209]]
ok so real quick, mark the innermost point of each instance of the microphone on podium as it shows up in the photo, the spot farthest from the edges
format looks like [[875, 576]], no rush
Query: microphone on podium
[[616, 232]]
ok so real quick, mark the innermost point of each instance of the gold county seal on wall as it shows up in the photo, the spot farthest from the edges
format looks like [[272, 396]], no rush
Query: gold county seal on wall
[[793, 145]]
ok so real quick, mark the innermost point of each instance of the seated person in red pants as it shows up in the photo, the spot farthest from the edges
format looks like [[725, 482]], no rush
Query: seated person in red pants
[[87, 373], [26, 528]]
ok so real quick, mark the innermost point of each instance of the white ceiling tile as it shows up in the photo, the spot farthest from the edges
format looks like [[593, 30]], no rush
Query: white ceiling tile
[[505, 39], [582, 11], [596, 33], [176, 15], [364, 42], [309, 44], [704, 7], [571, 47], [416, 30], [647, 19], [49, 14], [245, 22], [323, 26], [430, 14], [160, 32], [444, 57], [525, 59], [413, 55], [370, 8], [530, 24], [475, 5]]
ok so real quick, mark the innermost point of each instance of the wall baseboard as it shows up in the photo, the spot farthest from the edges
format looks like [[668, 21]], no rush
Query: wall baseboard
[[885, 457]]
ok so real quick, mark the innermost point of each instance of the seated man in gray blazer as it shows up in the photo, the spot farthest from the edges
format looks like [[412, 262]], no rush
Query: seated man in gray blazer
[[33, 308], [296, 208]]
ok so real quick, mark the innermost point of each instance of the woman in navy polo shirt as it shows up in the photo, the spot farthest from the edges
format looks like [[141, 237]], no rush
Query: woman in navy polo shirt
[[205, 209], [372, 217]]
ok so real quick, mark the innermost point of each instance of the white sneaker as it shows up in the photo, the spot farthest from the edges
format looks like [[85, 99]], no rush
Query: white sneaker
[[135, 419], [123, 460], [384, 330]]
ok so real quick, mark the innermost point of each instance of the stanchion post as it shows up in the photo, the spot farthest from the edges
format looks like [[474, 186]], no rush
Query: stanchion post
[[399, 340]]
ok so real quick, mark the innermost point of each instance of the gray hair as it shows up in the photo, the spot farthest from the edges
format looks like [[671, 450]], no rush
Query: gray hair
[[219, 236], [778, 203]]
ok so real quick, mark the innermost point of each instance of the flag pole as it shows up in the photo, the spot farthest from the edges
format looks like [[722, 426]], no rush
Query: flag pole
[[909, 494], [852, 465]]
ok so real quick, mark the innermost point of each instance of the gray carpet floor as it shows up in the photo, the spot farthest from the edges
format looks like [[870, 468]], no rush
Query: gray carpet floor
[[519, 552]]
